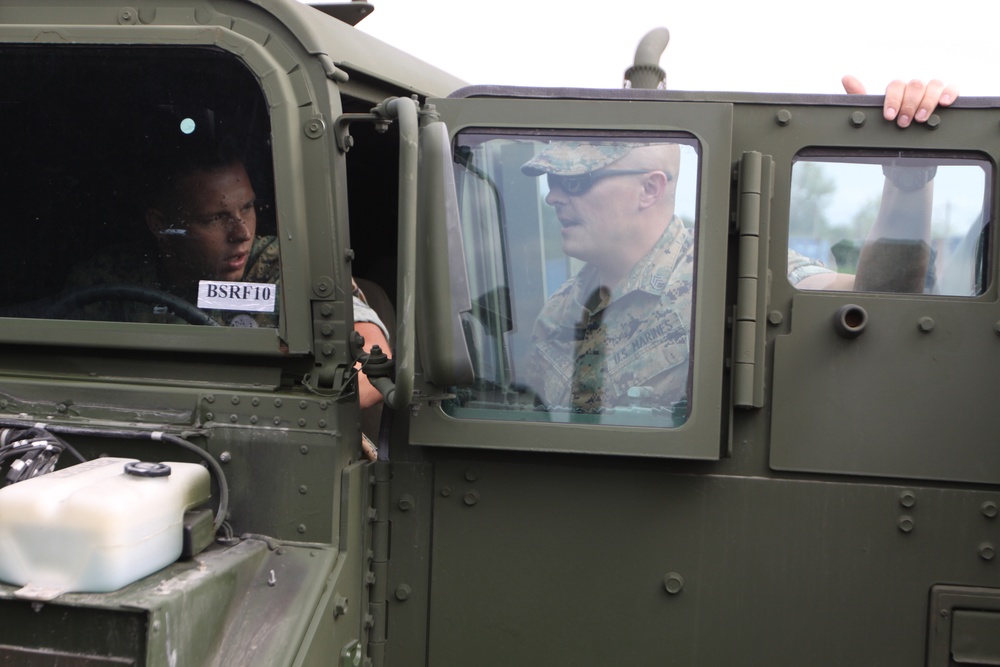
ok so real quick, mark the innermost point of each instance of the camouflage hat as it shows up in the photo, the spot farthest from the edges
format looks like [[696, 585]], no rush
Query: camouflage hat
[[575, 158]]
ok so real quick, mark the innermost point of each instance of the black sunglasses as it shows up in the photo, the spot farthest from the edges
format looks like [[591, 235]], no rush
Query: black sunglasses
[[577, 185]]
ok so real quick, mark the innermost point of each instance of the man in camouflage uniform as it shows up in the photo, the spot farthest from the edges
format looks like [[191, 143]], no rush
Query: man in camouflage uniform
[[202, 223], [617, 333]]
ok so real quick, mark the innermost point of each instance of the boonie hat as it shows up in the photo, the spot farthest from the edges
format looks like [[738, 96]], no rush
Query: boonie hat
[[575, 158]]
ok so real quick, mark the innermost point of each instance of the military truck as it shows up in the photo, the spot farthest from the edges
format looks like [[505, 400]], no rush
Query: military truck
[[820, 488]]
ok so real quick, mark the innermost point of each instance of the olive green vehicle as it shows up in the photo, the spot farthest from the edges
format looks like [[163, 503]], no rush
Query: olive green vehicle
[[823, 491]]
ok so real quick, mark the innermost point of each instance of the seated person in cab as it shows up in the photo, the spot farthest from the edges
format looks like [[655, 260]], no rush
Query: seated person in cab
[[202, 246], [202, 222]]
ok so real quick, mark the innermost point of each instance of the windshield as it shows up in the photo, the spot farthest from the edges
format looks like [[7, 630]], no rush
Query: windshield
[[138, 187]]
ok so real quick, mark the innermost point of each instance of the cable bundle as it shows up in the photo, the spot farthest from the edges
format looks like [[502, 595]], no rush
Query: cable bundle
[[29, 452]]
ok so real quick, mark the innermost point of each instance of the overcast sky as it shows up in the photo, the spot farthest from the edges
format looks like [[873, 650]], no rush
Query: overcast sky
[[732, 45]]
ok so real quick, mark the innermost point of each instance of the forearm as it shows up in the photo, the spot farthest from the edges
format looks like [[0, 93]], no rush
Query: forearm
[[896, 254]]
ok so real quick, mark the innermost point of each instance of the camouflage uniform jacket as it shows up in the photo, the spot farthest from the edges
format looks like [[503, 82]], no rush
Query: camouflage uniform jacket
[[137, 264], [590, 346], [801, 267]]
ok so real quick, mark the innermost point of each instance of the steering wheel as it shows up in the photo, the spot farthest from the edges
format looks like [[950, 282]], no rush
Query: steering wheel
[[140, 293]]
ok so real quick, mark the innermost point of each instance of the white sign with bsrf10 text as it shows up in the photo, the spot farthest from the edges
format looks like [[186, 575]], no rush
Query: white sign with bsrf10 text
[[247, 297]]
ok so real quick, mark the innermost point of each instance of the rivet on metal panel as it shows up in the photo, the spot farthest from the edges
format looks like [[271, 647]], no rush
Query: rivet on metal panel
[[276, 421], [907, 499], [211, 398], [314, 128], [225, 457], [406, 503], [906, 523], [303, 405], [471, 475], [304, 449], [255, 401], [926, 324], [858, 118], [446, 491], [302, 423], [403, 592], [303, 489], [990, 509], [233, 419], [235, 400], [277, 402], [301, 528], [471, 498], [996, 328], [323, 286], [128, 16], [775, 317], [673, 583], [209, 416], [783, 117], [253, 419], [987, 551]]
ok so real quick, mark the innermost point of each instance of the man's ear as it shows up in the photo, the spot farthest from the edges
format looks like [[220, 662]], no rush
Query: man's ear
[[156, 222], [654, 184]]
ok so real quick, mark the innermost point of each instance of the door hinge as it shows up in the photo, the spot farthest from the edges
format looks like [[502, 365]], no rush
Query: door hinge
[[377, 576], [753, 213]]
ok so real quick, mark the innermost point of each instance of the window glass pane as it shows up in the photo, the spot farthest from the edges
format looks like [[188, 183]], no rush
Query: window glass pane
[[138, 184], [893, 223], [580, 253]]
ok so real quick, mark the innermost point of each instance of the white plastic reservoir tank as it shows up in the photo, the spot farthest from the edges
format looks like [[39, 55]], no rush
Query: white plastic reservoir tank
[[95, 527]]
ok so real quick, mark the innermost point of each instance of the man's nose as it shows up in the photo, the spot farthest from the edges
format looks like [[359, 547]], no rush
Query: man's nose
[[556, 196], [239, 229]]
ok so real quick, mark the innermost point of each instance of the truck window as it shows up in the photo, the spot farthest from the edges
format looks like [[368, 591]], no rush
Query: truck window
[[580, 259], [891, 223], [138, 186]]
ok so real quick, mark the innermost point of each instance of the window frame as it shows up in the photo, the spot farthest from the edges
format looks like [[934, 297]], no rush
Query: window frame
[[281, 89], [882, 157], [703, 435]]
